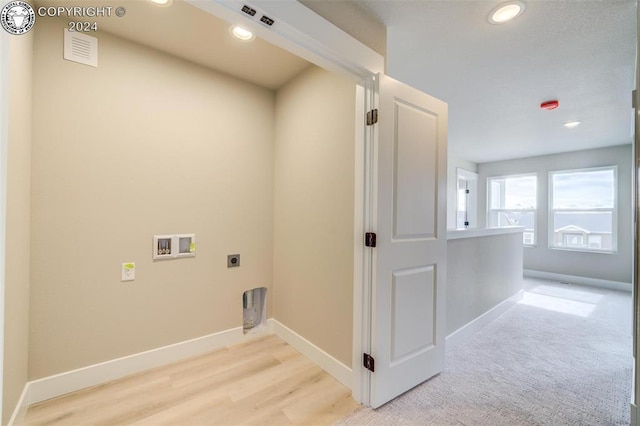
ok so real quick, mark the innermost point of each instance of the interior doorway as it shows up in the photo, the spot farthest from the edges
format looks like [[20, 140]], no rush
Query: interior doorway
[[172, 182]]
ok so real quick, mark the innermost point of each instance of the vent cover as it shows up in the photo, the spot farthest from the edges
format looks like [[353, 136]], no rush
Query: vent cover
[[248, 10], [80, 48], [266, 20]]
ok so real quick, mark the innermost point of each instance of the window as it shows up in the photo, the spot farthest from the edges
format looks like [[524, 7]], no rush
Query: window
[[527, 238], [466, 200], [582, 212], [512, 201], [461, 211]]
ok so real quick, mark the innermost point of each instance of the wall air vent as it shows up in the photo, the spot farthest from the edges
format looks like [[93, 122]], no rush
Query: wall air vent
[[249, 11], [266, 20], [80, 48]]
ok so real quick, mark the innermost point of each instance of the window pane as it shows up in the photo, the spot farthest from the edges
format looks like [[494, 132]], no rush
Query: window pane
[[517, 193], [528, 238], [520, 193], [584, 190], [462, 200], [595, 241], [592, 230], [496, 189], [526, 219]]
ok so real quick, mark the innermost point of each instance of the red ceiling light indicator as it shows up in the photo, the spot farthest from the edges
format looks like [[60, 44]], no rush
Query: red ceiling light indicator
[[549, 105]]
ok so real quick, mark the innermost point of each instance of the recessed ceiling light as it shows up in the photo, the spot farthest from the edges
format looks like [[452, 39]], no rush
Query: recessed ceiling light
[[505, 12], [571, 124], [163, 3], [241, 33]]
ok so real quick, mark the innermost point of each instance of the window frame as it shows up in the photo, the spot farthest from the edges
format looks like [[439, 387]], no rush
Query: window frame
[[535, 211], [613, 210]]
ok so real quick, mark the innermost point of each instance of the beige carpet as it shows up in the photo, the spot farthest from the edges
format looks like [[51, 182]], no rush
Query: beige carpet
[[560, 357]]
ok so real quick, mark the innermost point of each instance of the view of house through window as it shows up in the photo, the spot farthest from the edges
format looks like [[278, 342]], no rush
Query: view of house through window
[[512, 201], [583, 209]]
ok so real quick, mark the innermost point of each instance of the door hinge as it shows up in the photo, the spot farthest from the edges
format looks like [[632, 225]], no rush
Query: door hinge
[[368, 362], [370, 239], [633, 99], [372, 117], [466, 191]]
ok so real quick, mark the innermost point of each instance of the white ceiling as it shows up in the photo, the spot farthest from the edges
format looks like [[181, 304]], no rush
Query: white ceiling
[[495, 77], [189, 33]]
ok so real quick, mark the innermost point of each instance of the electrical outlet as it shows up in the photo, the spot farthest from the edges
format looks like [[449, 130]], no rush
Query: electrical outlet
[[128, 271], [233, 260]]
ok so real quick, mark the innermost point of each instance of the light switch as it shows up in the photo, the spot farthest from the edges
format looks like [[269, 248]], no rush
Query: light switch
[[128, 271]]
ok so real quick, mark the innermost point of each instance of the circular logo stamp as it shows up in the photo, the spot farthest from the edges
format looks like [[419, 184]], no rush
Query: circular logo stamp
[[17, 17]]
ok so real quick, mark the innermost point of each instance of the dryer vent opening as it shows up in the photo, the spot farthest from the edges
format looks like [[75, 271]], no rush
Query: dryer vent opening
[[254, 309]]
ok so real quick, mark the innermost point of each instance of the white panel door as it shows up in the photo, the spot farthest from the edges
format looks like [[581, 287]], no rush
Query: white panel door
[[409, 262]]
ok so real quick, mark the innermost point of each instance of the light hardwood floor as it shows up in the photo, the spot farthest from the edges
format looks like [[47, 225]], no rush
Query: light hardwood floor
[[262, 382]]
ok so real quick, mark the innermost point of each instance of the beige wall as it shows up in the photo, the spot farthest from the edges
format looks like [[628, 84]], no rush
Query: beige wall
[[16, 296], [144, 144], [314, 209]]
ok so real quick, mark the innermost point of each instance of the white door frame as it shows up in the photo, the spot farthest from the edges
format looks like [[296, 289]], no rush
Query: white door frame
[[635, 390], [4, 143], [306, 34]]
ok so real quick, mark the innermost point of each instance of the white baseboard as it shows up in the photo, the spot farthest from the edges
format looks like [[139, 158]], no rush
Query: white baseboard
[[17, 418], [328, 363], [70, 381], [574, 279], [466, 331]]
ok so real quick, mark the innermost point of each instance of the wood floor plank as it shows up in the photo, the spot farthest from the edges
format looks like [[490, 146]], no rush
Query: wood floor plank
[[266, 378], [261, 382], [339, 409], [269, 401], [151, 403], [190, 409]]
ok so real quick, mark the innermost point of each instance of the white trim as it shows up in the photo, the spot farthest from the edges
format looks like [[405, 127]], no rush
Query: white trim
[[358, 250], [455, 234], [70, 381], [363, 298], [466, 174], [574, 279], [322, 359], [635, 128], [21, 408], [462, 334], [4, 144]]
